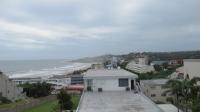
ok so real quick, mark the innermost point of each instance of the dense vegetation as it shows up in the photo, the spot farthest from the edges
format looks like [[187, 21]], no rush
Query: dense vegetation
[[4, 100], [187, 94], [36, 90], [164, 55], [153, 75]]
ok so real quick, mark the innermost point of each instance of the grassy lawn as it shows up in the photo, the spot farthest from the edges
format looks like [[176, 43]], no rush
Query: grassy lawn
[[50, 106], [75, 100], [12, 105], [45, 107]]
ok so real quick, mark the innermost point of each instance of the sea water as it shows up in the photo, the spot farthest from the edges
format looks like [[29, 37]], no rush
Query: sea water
[[38, 68]]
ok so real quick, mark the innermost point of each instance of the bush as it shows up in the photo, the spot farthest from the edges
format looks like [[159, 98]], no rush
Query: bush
[[36, 90], [4, 100]]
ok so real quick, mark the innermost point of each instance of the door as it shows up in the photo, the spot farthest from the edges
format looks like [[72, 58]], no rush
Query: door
[[132, 85], [89, 84]]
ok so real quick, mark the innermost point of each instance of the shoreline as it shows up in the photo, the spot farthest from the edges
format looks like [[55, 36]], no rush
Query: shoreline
[[48, 73]]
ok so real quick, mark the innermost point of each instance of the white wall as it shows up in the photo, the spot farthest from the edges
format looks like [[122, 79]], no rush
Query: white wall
[[192, 69], [156, 90], [108, 85], [9, 89]]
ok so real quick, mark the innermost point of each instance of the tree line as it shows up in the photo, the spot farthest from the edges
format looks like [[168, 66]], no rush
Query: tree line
[[36, 90]]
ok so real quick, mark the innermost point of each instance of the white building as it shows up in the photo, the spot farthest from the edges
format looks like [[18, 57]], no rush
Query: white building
[[139, 68], [143, 60], [9, 89], [192, 68], [109, 80], [156, 90], [113, 97]]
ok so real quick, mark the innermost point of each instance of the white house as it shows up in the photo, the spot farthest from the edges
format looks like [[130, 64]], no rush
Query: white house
[[109, 80], [192, 68], [109, 93]]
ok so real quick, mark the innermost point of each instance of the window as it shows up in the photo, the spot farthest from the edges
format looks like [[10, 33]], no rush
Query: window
[[123, 82], [89, 82], [153, 95], [164, 94]]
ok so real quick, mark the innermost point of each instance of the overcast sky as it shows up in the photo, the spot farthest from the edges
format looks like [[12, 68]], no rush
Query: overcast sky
[[39, 29]]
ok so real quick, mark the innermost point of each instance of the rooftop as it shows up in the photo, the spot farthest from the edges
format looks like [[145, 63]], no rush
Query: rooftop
[[191, 60], [116, 102], [155, 81], [96, 73]]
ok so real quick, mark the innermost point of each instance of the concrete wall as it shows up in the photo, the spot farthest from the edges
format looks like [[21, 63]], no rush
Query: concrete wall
[[107, 84], [158, 91], [192, 69], [9, 89]]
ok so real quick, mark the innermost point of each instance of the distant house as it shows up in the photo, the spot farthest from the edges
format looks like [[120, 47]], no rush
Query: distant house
[[23, 80], [109, 80], [158, 63], [175, 62], [155, 90], [98, 66], [9, 89], [139, 68]]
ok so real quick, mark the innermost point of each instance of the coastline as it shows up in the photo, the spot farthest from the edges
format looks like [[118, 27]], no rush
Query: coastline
[[47, 73]]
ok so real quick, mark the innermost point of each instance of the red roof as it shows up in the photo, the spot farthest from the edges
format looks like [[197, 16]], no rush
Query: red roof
[[77, 87]]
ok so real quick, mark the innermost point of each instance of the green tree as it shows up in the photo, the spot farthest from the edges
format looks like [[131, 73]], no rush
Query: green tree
[[64, 100], [37, 89], [176, 89], [187, 93], [157, 68]]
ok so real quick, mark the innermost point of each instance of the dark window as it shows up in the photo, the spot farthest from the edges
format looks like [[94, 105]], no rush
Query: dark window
[[153, 95], [123, 82], [164, 94], [77, 80]]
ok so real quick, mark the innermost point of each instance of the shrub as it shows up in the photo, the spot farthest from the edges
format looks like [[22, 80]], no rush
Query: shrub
[[4, 100]]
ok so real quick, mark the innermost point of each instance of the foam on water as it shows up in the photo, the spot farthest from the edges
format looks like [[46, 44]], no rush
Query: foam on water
[[46, 73]]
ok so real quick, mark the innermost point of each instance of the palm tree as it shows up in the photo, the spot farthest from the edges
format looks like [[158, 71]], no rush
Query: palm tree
[[175, 89], [194, 95], [187, 92]]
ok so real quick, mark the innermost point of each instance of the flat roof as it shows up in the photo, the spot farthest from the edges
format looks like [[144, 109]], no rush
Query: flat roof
[[155, 81], [168, 108], [116, 102], [191, 60], [97, 73]]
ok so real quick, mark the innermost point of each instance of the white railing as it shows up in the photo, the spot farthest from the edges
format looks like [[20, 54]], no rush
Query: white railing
[[81, 99]]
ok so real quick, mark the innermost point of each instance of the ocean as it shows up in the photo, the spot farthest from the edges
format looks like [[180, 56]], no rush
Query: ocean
[[38, 68]]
